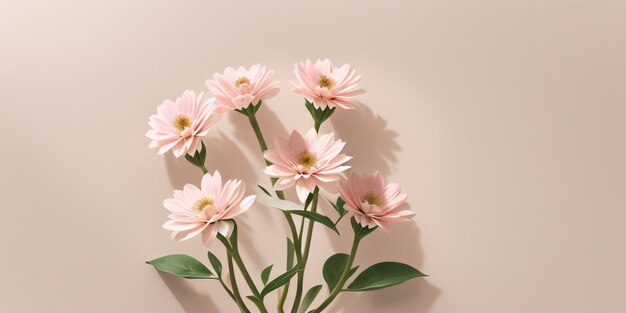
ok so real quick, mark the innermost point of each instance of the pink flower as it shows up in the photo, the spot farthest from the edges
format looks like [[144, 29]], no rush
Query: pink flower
[[325, 85], [178, 125], [236, 89], [202, 210], [306, 162], [373, 203]]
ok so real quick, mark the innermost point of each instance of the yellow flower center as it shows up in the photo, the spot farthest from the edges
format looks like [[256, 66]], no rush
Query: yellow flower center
[[242, 80], [306, 159], [373, 199], [201, 204], [181, 122], [326, 82]]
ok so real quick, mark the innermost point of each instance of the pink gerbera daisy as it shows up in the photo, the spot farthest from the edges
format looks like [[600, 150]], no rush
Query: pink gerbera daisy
[[178, 125], [237, 89], [202, 210], [372, 203], [325, 85], [307, 162]]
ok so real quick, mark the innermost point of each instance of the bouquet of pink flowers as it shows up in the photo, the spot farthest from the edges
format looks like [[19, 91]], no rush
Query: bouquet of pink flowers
[[309, 163]]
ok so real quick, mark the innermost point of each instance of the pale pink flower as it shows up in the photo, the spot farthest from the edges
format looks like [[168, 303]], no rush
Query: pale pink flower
[[373, 203], [325, 85], [178, 125], [307, 162], [238, 88], [202, 210]]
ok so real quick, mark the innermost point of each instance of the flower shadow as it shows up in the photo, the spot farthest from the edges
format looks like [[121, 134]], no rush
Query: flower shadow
[[374, 147], [270, 124], [187, 296], [416, 296], [369, 141]]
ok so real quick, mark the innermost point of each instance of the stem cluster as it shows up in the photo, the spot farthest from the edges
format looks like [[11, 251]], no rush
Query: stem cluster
[[300, 251]]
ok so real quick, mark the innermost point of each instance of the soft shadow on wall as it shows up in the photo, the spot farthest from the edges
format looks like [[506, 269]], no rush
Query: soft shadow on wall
[[189, 298], [374, 147]]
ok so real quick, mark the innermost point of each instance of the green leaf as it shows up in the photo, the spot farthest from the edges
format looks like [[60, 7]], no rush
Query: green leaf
[[279, 281], [339, 207], [308, 201], [294, 208], [191, 159], [215, 262], [360, 230], [202, 155], [309, 297], [265, 274], [233, 237], [309, 106], [290, 252], [333, 267], [255, 300], [256, 107], [316, 217], [183, 266], [264, 190], [383, 275], [352, 271]]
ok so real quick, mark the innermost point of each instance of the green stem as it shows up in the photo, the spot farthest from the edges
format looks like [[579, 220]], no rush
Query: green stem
[[230, 293], [233, 282], [305, 255], [344, 275], [244, 271], [254, 123]]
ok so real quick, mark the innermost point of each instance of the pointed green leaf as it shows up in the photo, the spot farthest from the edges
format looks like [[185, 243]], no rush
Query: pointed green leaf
[[290, 252], [360, 230], [233, 236], [265, 274], [383, 275], [255, 300], [316, 217], [339, 207], [308, 201], [202, 155], [183, 266], [309, 297], [264, 190], [333, 267], [215, 262], [352, 271], [191, 159], [279, 281], [297, 209]]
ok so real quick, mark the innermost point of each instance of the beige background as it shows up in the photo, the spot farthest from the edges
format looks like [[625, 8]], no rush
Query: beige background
[[504, 121]]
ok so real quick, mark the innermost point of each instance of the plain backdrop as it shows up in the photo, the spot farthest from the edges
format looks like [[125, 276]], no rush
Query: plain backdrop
[[504, 121]]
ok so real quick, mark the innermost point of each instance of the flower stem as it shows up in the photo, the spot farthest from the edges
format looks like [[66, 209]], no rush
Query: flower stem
[[305, 255], [344, 275], [250, 112], [204, 170], [234, 252], [233, 282]]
